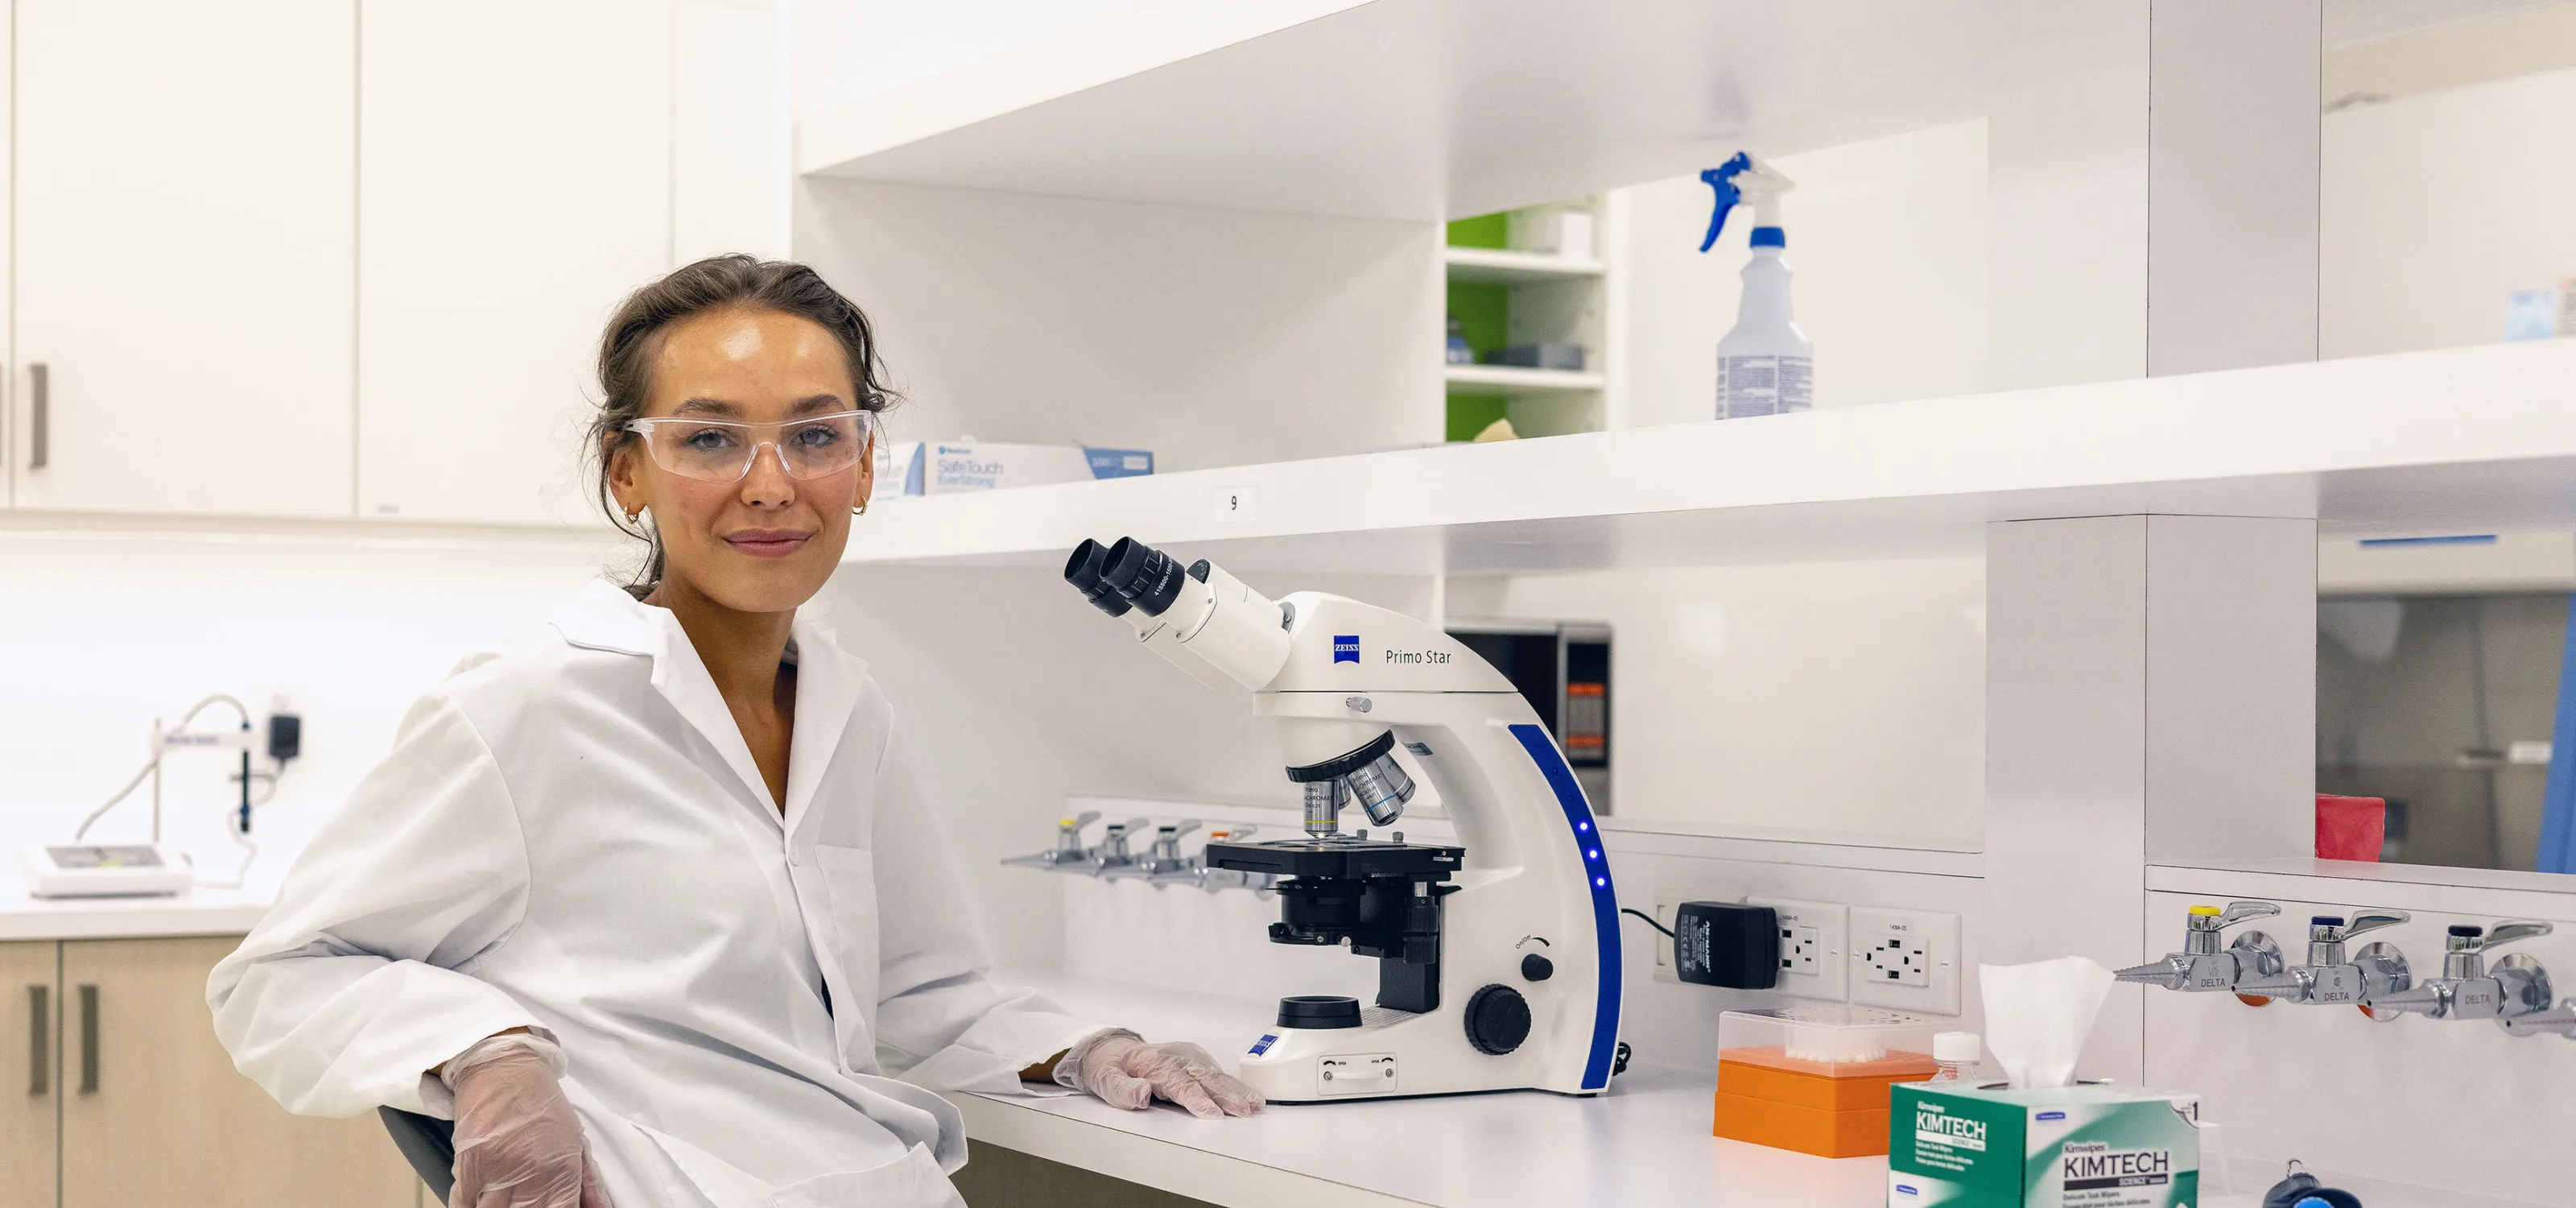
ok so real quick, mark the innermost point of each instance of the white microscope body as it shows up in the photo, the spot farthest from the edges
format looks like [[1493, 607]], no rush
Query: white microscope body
[[1499, 958]]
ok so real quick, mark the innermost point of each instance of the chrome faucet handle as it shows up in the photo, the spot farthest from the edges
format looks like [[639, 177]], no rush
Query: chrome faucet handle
[[1174, 830], [2238, 912], [2560, 1020], [2373, 920], [1078, 821], [2510, 932]]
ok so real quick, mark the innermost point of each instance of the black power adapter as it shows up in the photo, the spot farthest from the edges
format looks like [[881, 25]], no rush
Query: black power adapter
[[1727, 944]]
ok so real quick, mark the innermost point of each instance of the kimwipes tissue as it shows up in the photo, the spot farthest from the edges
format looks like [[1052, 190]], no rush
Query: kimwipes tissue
[[2044, 1147], [2037, 1141]]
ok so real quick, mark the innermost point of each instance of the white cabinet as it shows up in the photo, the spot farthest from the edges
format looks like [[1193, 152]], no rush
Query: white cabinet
[[516, 185], [183, 256]]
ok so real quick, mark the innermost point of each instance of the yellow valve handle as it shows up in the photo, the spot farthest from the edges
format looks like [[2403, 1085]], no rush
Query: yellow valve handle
[[2206, 911]]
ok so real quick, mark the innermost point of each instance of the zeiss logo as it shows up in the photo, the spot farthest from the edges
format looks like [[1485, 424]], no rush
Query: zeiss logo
[[1906, 1189], [1346, 648], [2052, 1115]]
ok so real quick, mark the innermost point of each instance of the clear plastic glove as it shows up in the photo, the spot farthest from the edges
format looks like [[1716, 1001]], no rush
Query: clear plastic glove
[[1124, 1071], [518, 1143]]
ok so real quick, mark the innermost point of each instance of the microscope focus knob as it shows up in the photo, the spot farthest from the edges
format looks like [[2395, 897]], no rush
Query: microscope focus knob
[[1537, 968], [1498, 1020]]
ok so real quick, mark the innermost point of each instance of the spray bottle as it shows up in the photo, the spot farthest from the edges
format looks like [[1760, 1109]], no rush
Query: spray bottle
[[1766, 365]]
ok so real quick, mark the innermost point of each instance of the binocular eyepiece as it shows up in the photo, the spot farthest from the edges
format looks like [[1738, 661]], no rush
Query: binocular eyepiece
[[1127, 574]]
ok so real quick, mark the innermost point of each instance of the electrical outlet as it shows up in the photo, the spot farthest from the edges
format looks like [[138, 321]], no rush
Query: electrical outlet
[[1906, 959], [1812, 937], [1812, 940]]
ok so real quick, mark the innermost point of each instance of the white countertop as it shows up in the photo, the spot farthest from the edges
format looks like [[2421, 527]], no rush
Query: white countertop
[[198, 912], [1644, 1143], [125, 918]]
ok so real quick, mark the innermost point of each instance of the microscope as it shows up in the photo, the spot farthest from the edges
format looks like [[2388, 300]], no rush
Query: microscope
[[1498, 958]]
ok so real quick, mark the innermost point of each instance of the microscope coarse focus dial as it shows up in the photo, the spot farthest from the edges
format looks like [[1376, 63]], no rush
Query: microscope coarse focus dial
[[1498, 1020]]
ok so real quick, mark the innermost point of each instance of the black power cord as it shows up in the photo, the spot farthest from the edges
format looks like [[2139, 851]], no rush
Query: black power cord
[[1650, 920]]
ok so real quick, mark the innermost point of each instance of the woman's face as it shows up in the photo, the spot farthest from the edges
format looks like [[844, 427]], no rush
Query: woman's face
[[768, 542]]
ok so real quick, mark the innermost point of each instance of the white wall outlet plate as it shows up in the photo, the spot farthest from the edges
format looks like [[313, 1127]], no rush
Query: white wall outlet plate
[[1813, 937], [1906, 959]]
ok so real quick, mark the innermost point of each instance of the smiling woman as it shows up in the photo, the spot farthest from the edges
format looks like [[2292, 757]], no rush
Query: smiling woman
[[735, 339], [656, 905]]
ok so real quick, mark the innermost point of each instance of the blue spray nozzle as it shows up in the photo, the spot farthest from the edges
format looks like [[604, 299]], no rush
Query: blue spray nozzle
[[1722, 179]]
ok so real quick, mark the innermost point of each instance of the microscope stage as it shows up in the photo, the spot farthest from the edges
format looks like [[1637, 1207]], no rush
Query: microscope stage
[[1337, 858]]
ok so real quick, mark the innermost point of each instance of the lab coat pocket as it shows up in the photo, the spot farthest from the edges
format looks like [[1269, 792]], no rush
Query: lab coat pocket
[[850, 880], [911, 1181]]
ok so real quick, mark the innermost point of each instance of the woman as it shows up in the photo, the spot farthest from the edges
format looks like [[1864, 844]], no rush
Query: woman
[[655, 905]]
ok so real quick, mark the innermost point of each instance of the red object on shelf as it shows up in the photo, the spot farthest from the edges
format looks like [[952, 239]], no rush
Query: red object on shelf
[[2350, 828]]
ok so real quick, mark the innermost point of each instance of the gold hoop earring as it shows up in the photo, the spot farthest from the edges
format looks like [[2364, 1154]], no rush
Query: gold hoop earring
[[860, 510]]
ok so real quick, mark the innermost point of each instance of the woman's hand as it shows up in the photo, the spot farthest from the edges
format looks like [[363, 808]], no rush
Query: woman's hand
[[1124, 1071], [518, 1143]]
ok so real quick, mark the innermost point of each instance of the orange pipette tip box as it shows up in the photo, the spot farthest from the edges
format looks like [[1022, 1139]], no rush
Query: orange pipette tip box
[[1836, 1110], [1829, 1099]]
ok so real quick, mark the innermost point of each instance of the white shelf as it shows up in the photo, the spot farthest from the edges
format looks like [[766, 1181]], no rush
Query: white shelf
[[1419, 109], [1516, 268], [1513, 380], [2459, 440]]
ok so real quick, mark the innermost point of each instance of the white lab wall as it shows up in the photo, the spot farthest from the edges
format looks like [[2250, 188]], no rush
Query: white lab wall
[[2437, 205], [1820, 698], [847, 49], [103, 631], [1210, 337]]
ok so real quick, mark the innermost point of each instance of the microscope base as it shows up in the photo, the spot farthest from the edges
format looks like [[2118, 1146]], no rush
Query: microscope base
[[1392, 1053]]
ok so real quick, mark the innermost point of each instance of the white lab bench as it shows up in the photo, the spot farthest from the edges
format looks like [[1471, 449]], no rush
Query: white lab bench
[[1645, 1143]]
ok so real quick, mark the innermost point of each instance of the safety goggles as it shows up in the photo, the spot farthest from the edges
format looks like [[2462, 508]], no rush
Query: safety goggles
[[720, 450]]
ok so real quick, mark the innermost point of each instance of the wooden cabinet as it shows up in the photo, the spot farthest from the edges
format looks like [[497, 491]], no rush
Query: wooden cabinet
[[30, 1083], [515, 189], [183, 256], [122, 1088]]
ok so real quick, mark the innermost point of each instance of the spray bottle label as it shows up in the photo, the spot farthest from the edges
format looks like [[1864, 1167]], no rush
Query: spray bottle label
[[1763, 385]]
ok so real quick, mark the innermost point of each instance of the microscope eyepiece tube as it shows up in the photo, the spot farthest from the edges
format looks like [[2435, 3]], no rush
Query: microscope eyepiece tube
[[1082, 570], [1146, 576]]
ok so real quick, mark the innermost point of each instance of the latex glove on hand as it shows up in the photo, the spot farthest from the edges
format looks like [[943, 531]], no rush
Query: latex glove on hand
[[1124, 1071], [518, 1143]]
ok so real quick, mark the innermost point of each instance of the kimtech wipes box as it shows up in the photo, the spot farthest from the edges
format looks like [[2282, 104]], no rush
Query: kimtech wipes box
[[2059, 1147]]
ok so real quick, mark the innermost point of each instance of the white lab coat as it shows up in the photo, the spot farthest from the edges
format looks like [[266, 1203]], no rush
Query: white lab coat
[[574, 837]]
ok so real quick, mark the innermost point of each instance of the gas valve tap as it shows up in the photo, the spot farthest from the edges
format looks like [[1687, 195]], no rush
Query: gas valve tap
[[2201, 967], [2467, 989], [1068, 854], [2331, 978]]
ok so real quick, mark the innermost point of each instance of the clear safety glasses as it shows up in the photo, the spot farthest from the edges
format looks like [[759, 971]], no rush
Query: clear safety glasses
[[718, 450]]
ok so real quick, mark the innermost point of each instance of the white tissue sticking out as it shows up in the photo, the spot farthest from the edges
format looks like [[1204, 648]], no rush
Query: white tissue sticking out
[[2037, 1016]]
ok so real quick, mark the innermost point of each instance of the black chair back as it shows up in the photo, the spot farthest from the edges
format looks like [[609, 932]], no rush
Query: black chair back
[[428, 1143]]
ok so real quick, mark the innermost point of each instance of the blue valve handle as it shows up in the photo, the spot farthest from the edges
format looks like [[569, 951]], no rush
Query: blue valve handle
[[1722, 179]]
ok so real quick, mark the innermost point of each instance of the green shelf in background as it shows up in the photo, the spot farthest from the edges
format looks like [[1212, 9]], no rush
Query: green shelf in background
[[1484, 309], [1484, 230], [1470, 414]]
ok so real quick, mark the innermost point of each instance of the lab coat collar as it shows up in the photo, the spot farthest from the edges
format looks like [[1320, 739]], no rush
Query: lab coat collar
[[603, 616]]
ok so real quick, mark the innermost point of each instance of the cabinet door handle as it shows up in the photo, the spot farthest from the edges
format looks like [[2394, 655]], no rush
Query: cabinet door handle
[[89, 1040], [40, 415], [40, 1040]]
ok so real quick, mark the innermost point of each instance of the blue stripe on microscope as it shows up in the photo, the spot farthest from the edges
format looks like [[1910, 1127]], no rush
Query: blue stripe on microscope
[[1605, 898]]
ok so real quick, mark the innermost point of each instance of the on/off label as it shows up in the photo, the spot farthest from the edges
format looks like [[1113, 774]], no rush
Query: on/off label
[[1356, 1074]]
